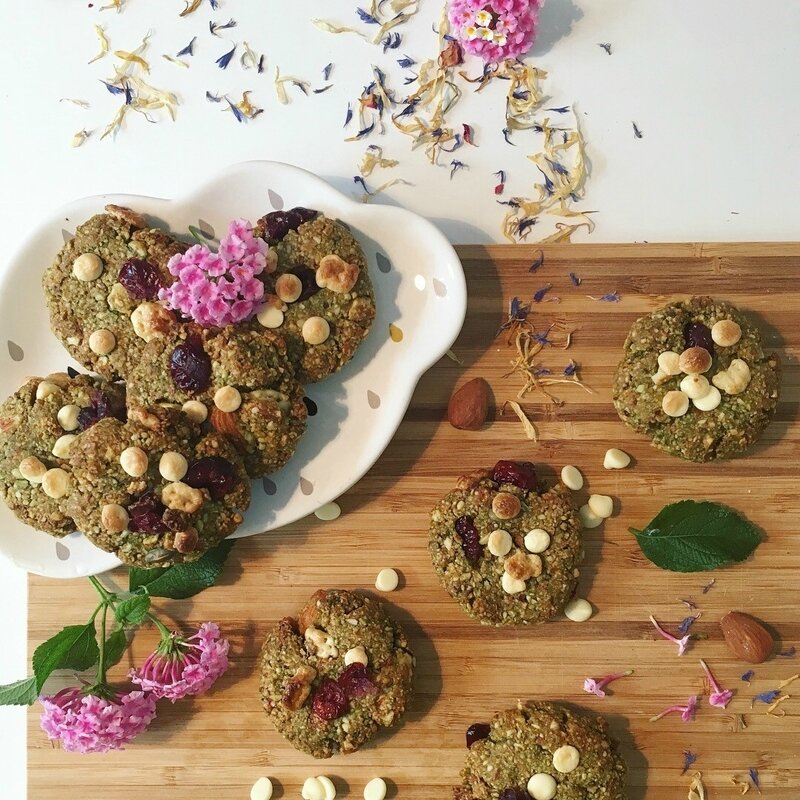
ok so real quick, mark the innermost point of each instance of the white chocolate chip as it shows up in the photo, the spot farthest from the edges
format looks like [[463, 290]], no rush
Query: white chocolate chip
[[316, 330], [356, 655], [601, 505], [695, 386], [578, 610], [102, 342], [512, 585], [195, 410], [616, 459], [588, 518], [45, 389], [87, 267], [32, 469], [710, 401], [659, 378], [261, 790], [133, 461], [387, 580], [506, 505], [288, 287], [375, 789], [63, 444], [179, 496], [537, 540], [68, 417], [328, 512], [327, 785], [56, 483], [726, 332], [172, 466], [271, 260], [571, 478], [542, 786], [668, 362], [499, 542], [735, 379], [114, 517], [228, 399], [150, 320], [694, 360], [323, 643], [312, 790], [270, 317], [675, 404], [566, 758]]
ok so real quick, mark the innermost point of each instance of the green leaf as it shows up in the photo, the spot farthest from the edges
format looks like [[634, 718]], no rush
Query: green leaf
[[21, 693], [74, 647], [116, 645], [691, 536], [133, 610], [182, 580]]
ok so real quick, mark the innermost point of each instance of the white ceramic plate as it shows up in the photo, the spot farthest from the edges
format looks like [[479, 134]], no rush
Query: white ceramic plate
[[419, 288]]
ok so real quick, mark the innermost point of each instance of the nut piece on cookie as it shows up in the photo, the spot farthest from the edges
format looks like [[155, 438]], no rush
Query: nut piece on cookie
[[521, 566], [321, 642], [735, 379], [126, 214], [180, 497], [298, 688], [186, 541], [336, 274], [470, 481], [150, 320]]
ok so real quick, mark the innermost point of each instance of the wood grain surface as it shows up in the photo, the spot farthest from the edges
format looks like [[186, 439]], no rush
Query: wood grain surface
[[218, 745]]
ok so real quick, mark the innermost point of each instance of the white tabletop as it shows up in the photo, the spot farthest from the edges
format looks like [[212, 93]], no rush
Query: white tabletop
[[713, 87]]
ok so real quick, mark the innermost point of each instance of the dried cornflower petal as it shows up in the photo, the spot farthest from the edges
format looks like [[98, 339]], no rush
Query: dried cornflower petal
[[188, 50], [191, 5], [80, 137], [405, 62], [527, 425], [610, 297], [174, 60], [133, 58], [456, 165], [696, 789], [710, 585], [687, 623], [636, 132], [606, 46], [365, 16], [225, 59], [688, 759], [748, 676], [330, 27], [372, 159], [248, 58], [537, 262], [791, 652], [101, 35], [766, 697], [213, 27], [75, 102], [753, 773], [383, 187]]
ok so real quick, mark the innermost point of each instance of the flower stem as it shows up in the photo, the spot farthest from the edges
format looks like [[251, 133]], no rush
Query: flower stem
[[101, 662], [101, 590], [163, 630]]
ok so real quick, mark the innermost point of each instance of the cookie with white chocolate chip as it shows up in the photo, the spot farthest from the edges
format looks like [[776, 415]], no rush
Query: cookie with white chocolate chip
[[337, 674], [320, 297], [232, 380], [39, 425], [506, 551], [542, 751], [102, 290], [695, 378], [155, 491]]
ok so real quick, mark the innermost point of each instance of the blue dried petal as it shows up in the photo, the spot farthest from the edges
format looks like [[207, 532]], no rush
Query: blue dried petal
[[410, 79], [540, 293], [549, 186], [606, 46], [214, 98], [501, 175], [391, 41], [225, 59], [213, 27], [542, 371], [188, 50], [560, 110], [558, 168], [261, 63], [409, 109], [710, 585], [240, 117], [512, 203], [326, 71], [688, 759], [405, 62], [214, 4], [748, 676], [537, 262], [365, 131], [521, 94], [767, 697], [380, 75], [524, 224], [456, 165], [514, 307], [570, 369], [576, 281], [358, 179], [507, 135], [323, 89], [301, 86], [348, 116], [365, 16], [790, 653], [112, 88], [457, 142], [128, 94], [613, 297], [687, 623], [753, 772]]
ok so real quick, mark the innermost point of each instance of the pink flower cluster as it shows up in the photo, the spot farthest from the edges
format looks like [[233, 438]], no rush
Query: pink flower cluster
[[217, 289], [495, 29]]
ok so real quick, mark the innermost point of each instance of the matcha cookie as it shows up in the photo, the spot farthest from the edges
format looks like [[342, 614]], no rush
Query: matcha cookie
[[320, 295], [336, 675], [231, 380], [542, 751], [694, 378], [102, 290], [506, 552], [155, 491], [39, 425]]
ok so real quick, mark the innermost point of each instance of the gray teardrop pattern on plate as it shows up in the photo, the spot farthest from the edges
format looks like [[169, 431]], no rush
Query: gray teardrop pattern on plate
[[439, 288], [275, 200], [306, 487], [62, 551], [67, 236], [384, 265], [206, 228], [15, 351], [269, 486], [373, 399]]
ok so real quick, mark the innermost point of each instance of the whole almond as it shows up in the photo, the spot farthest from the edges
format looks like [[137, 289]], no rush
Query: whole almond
[[224, 422], [746, 637], [469, 405]]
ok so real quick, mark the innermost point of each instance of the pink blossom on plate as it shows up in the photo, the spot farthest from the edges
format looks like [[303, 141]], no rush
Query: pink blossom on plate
[[497, 29], [252, 289], [215, 265], [255, 262], [232, 248], [86, 723], [182, 667]]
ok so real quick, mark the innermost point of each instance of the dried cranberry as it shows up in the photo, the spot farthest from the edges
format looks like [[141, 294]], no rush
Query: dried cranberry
[[278, 223], [696, 334], [355, 681], [329, 701], [190, 365], [299, 215], [99, 408], [141, 279], [514, 794], [470, 539], [308, 279], [517, 473], [214, 473], [476, 732], [146, 515]]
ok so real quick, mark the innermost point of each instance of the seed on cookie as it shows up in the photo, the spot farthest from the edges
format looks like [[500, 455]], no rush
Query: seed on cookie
[[181, 497], [709, 401], [669, 363], [288, 287], [45, 389], [726, 332], [172, 466], [675, 404], [499, 542], [63, 444], [68, 417], [102, 342], [316, 330], [566, 758], [87, 267], [32, 469], [228, 399], [542, 786], [695, 386], [56, 483], [506, 506], [133, 461], [356, 655], [537, 540], [694, 360], [195, 410], [571, 478], [114, 517]]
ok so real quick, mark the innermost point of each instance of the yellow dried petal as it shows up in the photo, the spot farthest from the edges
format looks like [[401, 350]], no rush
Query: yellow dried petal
[[80, 137], [191, 5], [114, 4], [74, 101], [330, 27], [248, 58], [383, 187], [173, 60], [530, 431], [101, 35], [132, 58], [696, 789], [115, 123], [372, 159]]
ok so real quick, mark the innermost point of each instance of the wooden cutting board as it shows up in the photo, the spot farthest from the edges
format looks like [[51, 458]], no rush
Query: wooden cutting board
[[218, 746]]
